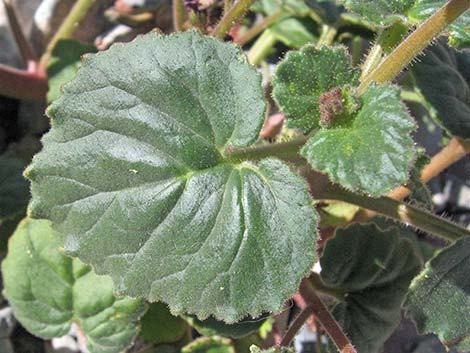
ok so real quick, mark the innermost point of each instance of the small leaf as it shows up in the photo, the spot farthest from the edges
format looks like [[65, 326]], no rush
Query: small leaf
[[212, 327], [292, 32], [254, 349], [63, 65], [459, 34], [373, 268], [439, 297], [383, 12], [133, 173], [14, 188], [372, 154], [209, 345], [159, 326], [419, 190], [49, 291], [443, 77], [303, 76]]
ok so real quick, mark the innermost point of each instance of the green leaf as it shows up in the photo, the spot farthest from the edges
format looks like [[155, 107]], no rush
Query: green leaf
[[133, 174], [439, 297], [254, 349], [49, 291], [443, 77], [304, 75], [373, 267], [293, 32], [159, 326], [63, 64], [14, 188], [373, 153], [419, 190], [383, 12], [212, 327], [209, 345], [459, 30]]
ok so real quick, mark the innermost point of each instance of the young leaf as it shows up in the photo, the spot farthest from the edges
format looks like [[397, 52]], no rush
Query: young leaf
[[383, 12], [160, 327], [303, 76], [443, 77], [63, 65], [439, 299], [49, 291], [372, 154], [459, 34], [133, 173], [209, 345], [254, 349], [374, 268], [14, 188]]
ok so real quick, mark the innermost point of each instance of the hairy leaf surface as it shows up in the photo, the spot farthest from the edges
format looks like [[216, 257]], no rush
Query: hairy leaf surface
[[380, 11], [443, 77], [133, 173], [372, 154], [254, 349], [304, 75], [48, 291], [439, 298], [373, 268]]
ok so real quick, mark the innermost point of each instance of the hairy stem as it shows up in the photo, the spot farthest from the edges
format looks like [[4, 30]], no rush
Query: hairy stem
[[236, 12], [296, 326], [22, 84], [327, 36], [67, 28], [259, 27], [179, 14], [453, 152], [394, 209], [261, 48], [287, 151], [399, 58], [331, 326], [26, 50]]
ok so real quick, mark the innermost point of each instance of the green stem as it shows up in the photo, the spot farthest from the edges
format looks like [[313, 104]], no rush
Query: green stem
[[327, 36], [261, 47], [288, 151], [179, 14], [259, 27], [321, 312], [400, 211], [394, 63], [233, 15], [356, 50], [66, 29]]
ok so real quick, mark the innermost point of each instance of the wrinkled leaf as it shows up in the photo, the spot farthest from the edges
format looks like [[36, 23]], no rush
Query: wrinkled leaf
[[459, 30], [383, 12], [303, 76], [63, 65], [372, 154], [439, 297], [373, 268], [159, 326], [133, 173], [49, 291], [443, 77], [209, 345]]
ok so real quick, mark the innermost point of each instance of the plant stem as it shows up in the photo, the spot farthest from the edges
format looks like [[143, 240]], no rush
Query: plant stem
[[227, 5], [331, 326], [327, 36], [453, 152], [22, 84], [397, 210], [296, 326], [286, 150], [66, 29], [179, 14], [394, 63], [235, 13], [261, 48], [26, 50], [259, 27]]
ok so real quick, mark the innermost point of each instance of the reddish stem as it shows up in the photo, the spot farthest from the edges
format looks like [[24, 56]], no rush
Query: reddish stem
[[22, 84], [296, 326]]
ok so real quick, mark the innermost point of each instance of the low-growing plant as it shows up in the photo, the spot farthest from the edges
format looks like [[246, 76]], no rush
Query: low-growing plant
[[154, 192]]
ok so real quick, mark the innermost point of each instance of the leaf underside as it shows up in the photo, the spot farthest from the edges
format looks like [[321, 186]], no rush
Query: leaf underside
[[49, 291], [142, 190]]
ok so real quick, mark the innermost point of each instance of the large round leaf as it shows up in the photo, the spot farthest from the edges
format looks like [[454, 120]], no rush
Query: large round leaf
[[133, 172]]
